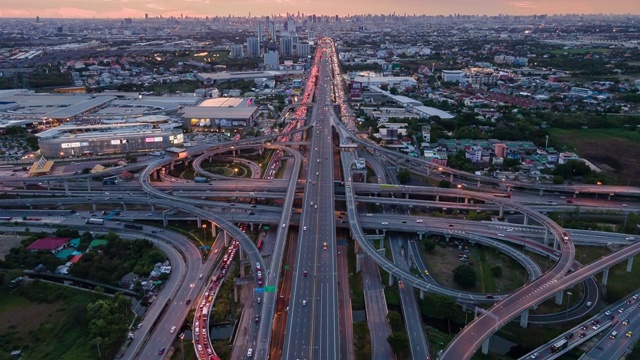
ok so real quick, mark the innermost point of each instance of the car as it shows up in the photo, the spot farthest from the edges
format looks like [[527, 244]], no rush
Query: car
[[426, 272], [500, 234], [625, 322], [595, 327], [385, 223], [313, 182], [200, 276], [149, 214], [249, 352], [620, 310], [595, 322], [569, 201], [589, 303], [139, 326], [568, 336], [324, 246], [608, 312], [490, 296], [535, 356], [304, 228], [582, 334], [450, 225], [304, 302], [315, 206], [161, 351], [188, 302], [404, 222], [305, 273], [259, 300], [629, 333], [624, 205], [284, 225], [311, 203], [257, 319], [173, 329]]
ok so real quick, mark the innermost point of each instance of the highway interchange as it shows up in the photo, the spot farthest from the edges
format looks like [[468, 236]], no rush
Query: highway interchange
[[308, 203]]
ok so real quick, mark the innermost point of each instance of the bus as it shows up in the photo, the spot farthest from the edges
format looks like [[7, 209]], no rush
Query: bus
[[113, 180], [6, 218], [259, 244], [508, 195], [95, 221], [133, 226], [559, 346], [202, 180]]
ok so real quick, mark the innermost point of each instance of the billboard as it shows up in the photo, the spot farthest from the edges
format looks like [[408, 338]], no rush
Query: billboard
[[356, 90]]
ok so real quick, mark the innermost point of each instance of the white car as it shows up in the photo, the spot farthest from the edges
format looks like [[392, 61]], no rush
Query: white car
[[304, 228], [173, 329], [304, 302]]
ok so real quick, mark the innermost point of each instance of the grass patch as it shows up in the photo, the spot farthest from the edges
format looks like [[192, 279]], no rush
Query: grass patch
[[362, 341], [355, 280], [589, 144], [225, 308], [55, 329]]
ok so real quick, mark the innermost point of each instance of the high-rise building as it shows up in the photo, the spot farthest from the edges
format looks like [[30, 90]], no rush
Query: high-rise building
[[271, 58], [37, 19], [291, 25], [146, 16], [272, 31], [236, 51], [253, 47], [259, 33], [500, 150], [311, 35], [304, 49], [286, 46]]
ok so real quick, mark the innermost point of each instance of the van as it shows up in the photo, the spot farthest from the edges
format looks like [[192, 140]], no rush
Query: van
[[419, 221], [250, 352], [613, 335], [385, 223]]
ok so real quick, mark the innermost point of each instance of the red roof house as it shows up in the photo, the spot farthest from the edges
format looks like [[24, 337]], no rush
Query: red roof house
[[53, 244]]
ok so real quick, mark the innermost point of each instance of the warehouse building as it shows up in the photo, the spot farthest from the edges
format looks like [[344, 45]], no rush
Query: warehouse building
[[220, 113]]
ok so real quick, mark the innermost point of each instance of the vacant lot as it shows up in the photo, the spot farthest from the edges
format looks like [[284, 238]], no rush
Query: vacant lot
[[615, 151], [7, 242]]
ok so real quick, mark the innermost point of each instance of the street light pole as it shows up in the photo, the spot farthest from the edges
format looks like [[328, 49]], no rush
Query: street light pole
[[566, 314]]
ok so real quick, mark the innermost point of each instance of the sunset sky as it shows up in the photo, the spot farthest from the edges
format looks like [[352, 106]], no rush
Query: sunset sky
[[137, 8]]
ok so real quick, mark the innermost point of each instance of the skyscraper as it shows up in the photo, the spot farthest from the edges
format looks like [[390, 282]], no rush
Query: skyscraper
[[237, 51], [253, 47], [286, 46]]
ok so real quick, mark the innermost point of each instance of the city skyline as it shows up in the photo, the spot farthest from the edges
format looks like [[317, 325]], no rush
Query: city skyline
[[257, 8]]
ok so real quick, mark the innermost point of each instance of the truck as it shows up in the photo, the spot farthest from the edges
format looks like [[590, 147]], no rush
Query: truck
[[205, 310], [200, 179], [93, 221]]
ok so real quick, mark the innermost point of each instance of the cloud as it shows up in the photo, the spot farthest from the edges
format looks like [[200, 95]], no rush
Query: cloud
[[155, 6], [523, 4]]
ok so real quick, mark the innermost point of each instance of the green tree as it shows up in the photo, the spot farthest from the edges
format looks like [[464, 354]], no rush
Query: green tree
[[429, 245], [447, 307], [444, 184], [395, 321], [558, 179], [399, 343], [404, 176], [465, 276]]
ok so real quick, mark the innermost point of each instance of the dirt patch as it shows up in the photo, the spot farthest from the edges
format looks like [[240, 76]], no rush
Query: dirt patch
[[7, 242], [27, 317], [441, 263]]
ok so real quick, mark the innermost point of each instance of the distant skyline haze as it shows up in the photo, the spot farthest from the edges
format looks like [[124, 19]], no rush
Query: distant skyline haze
[[116, 9]]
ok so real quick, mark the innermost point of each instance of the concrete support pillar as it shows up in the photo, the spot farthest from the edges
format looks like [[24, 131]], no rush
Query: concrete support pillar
[[199, 221], [526, 219], [421, 294], [508, 188], [241, 254], [153, 208], [501, 213], [629, 264], [485, 346], [225, 235], [260, 150], [213, 230], [555, 242], [171, 166], [24, 185], [124, 206], [466, 200], [559, 296], [478, 184], [546, 236], [406, 196], [359, 259], [233, 153], [241, 270], [605, 276], [390, 279], [356, 247], [235, 293], [420, 235], [154, 175], [165, 221], [541, 192], [437, 198], [66, 186], [575, 194], [48, 185], [524, 319], [609, 197], [397, 164], [61, 206], [93, 206], [447, 238], [88, 184]]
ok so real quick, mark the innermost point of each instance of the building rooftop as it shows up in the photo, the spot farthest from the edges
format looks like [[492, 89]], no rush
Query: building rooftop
[[48, 243]]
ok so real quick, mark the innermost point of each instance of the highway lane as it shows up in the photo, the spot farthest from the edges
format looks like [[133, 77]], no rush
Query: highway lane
[[376, 308], [312, 326]]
